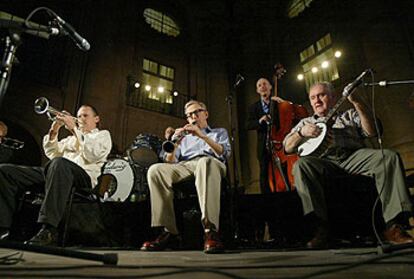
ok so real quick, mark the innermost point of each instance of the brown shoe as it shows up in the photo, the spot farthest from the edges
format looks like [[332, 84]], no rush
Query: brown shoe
[[395, 235], [212, 243], [164, 240], [320, 240]]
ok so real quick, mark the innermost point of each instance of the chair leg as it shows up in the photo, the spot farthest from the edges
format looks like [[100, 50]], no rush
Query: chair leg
[[68, 215]]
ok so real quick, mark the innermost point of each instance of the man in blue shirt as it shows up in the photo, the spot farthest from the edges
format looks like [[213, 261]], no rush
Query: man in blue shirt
[[200, 152]]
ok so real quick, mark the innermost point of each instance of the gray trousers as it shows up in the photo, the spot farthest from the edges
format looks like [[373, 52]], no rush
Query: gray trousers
[[55, 180], [207, 172], [310, 173]]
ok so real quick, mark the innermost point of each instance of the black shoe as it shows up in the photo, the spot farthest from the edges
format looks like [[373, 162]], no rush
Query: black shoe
[[45, 237], [4, 233]]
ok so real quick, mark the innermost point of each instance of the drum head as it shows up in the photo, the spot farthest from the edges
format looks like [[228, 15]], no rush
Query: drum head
[[116, 181], [143, 156], [145, 150]]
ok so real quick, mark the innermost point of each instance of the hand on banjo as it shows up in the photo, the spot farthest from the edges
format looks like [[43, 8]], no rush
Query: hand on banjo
[[310, 130]]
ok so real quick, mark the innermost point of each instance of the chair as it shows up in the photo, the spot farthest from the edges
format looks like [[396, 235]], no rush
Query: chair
[[76, 195], [188, 212]]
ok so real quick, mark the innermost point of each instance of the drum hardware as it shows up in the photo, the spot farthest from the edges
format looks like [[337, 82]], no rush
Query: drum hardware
[[11, 143], [41, 106]]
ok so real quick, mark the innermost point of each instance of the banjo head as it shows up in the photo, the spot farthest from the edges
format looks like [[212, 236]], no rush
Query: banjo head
[[312, 144]]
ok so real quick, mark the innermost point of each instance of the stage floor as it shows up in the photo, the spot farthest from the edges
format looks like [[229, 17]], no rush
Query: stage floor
[[232, 264]]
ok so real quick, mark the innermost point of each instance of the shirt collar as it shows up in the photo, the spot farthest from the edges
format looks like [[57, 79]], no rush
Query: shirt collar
[[207, 129]]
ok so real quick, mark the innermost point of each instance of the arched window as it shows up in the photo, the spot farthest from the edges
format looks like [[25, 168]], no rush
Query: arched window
[[161, 22]]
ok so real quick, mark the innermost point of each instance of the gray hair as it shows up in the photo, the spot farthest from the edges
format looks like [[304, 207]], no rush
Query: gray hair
[[192, 102], [327, 85]]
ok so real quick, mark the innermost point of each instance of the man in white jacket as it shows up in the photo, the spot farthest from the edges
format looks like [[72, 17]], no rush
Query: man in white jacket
[[75, 161]]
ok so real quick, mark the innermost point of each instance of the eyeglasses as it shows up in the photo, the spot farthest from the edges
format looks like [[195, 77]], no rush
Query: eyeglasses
[[196, 112]]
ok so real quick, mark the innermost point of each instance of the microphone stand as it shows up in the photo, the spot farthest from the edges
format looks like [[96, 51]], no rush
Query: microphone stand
[[11, 44], [234, 188], [385, 83], [389, 248], [106, 258]]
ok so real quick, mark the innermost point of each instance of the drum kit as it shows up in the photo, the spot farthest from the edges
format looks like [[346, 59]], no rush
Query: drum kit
[[125, 178]]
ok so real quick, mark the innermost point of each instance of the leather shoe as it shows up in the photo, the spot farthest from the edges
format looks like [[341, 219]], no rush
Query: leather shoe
[[45, 237], [212, 243], [164, 240], [4, 233], [320, 240], [395, 235]]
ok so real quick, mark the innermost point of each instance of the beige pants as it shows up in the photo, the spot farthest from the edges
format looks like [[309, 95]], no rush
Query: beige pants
[[207, 172]]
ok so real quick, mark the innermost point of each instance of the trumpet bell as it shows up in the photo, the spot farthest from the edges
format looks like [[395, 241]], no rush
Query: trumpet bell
[[41, 105]]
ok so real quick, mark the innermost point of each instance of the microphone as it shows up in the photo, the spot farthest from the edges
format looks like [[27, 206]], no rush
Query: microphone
[[81, 43], [353, 85], [239, 79]]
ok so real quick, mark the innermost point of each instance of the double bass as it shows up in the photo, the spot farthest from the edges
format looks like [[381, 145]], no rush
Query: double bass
[[281, 164]]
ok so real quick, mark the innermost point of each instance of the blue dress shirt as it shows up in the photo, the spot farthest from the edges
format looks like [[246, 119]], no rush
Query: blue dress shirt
[[192, 146]]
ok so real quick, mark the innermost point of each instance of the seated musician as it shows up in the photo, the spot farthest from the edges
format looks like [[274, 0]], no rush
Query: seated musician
[[347, 153], [200, 154], [258, 119], [75, 161]]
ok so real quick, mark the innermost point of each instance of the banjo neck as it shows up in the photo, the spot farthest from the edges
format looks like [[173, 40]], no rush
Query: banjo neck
[[334, 109]]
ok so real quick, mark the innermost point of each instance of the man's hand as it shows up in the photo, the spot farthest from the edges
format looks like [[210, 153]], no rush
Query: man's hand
[[169, 132], [277, 99], [67, 119], [265, 119], [354, 99], [194, 130], [310, 130]]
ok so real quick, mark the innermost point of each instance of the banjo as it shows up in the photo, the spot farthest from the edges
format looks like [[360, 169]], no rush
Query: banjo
[[318, 145]]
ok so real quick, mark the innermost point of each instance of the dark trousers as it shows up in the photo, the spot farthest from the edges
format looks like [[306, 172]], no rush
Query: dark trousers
[[264, 173], [56, 180]]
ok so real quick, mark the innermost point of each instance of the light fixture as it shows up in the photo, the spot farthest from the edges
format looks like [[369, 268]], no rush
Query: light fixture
[[314, 69], [300, 77], [147, 87], [338, 54], [325, 64], [175, 93], [136, 84], [160, 89]]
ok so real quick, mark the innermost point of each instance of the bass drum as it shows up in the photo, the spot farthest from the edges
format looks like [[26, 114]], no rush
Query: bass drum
[[145, 150], [116, 182]]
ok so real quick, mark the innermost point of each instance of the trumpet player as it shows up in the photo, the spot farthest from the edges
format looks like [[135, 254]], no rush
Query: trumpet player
[[75, 161], [200, 153]]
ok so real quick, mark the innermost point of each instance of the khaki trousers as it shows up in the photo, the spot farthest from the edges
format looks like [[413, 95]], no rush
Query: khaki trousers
[[207, 172]]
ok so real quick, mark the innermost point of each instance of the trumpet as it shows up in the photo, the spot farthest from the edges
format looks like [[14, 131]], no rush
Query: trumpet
[[11, 143], [41, 106]]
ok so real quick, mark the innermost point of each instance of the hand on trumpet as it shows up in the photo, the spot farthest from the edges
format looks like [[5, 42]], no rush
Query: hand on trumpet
[[61, 119]]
